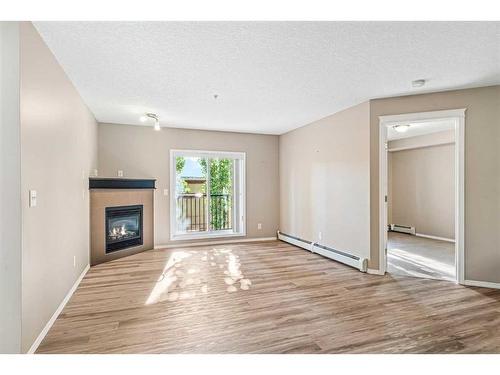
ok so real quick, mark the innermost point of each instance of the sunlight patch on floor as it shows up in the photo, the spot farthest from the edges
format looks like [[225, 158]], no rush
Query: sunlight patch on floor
[[186, 275], [419, 266], [168, 276]]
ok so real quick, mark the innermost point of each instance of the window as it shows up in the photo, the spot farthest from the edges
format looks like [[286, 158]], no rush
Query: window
[[207, 194]]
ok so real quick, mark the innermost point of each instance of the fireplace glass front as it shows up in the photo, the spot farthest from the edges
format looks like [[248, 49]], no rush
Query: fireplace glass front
[[123, 227]]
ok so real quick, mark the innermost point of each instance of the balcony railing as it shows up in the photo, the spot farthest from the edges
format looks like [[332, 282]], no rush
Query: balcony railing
[[192, 212]]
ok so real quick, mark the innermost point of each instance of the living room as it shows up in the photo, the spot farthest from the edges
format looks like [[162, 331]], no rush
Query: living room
[[221, 187]]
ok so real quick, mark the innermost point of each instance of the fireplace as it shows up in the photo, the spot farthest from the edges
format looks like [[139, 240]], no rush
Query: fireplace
[[123, 227], [121, 217]]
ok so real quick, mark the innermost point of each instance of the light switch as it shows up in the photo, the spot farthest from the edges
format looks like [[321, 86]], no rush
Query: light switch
[[120, 173], [165, 192], [32, 198]]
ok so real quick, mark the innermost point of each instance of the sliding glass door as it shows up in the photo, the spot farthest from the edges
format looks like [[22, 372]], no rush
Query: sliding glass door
[[190, 195], [207, 194]]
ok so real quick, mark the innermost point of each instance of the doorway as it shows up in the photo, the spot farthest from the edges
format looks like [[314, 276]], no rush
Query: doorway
[[421, 194]]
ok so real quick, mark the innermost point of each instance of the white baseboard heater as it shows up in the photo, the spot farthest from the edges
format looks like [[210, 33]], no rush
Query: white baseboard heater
[[402, 229], [340, 256]]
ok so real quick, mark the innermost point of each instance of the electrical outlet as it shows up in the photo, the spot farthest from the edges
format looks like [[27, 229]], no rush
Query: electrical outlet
[[74, 261], [95, 173], [120, 173], [259, 226], [320, 236], [165, 192], [83, 194]]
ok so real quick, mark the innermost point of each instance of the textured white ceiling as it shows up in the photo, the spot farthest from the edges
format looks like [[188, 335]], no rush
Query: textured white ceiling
[[420, 128], [271, 77]]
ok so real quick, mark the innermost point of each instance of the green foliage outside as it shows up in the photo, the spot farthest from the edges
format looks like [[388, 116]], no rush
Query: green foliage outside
[[180, 162], [220, 184], [220, 175]]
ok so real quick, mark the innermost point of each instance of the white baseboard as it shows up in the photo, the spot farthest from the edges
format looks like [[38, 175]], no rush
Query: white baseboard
[[316, 248], [435, 237], [49, 324], [483, 284], [209, 243], [375, 272]]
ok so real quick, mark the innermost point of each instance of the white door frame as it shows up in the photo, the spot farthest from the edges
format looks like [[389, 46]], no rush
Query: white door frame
[[458, 116]]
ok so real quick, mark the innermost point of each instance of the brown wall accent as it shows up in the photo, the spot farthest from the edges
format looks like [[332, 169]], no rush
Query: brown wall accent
[[482, 171], [102, 198]]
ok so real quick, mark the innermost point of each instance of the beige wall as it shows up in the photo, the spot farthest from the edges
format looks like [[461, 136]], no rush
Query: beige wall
[[10, 191], [142, 152], [422, 189], [59, 148], [325, 181], [432, 139], [437, 138], [482, 171]]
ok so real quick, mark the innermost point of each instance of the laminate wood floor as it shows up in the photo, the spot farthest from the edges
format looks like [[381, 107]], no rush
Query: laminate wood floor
[[267, 297], [409, 255]]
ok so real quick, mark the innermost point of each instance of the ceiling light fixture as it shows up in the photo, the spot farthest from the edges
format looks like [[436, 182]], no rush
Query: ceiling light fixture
[[401, 128], [418, 83], [153, 116]]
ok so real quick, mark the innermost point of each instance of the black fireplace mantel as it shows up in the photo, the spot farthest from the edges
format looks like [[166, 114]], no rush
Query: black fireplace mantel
[[121, 183]]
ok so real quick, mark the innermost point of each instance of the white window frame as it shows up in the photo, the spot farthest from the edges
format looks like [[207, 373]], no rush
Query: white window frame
[[239, 195]]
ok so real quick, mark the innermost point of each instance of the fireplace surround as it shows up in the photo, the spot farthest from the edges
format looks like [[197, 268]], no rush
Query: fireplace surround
[[121, 217]]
